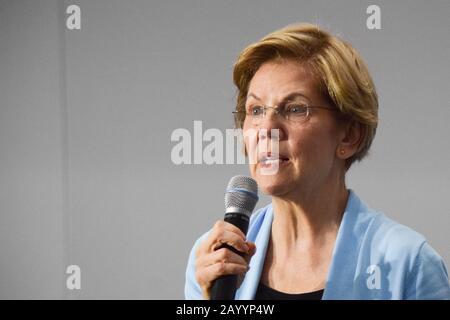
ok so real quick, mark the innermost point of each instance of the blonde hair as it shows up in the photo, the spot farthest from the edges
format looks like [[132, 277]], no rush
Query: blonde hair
[[343, 77]]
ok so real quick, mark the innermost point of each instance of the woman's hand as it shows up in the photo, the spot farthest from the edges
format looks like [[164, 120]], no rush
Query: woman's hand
[[213, 261]]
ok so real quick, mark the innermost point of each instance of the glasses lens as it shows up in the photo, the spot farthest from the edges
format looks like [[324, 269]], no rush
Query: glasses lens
[[292, 112], [255, 114], [296, 112]]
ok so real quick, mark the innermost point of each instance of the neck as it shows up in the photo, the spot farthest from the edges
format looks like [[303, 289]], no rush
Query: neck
[[309, 218]]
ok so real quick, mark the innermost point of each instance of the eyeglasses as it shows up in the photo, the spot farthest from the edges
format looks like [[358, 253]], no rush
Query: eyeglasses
[[296, 112]]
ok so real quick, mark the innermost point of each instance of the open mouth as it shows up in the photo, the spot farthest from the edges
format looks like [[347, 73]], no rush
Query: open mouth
[[267, 160]]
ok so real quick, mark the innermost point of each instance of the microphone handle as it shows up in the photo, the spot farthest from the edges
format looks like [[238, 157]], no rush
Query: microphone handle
[[224, 287]]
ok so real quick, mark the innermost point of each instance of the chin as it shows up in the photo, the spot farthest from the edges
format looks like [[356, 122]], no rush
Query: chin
[[273, 185]]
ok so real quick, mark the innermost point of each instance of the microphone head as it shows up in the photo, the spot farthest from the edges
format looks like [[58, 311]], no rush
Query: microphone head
[[241, 195]]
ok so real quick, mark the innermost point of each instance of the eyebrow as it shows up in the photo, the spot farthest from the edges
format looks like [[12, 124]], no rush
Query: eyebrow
[[290, 96]]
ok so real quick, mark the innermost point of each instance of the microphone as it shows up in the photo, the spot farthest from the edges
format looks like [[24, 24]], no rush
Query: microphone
[[241, 197]]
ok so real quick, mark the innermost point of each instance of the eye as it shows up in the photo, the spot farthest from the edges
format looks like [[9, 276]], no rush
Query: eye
[[296, 109], [256, 110]]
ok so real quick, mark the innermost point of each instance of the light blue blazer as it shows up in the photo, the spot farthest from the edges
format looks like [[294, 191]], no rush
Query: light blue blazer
[[374, 258]]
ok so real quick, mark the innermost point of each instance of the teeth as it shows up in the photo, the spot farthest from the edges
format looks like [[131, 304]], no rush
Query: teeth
[[271, 161]]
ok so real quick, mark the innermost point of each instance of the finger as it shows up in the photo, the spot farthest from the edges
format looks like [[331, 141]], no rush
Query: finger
[[251, 251], [251, 247], [230, 227], [210, 273], [221, 255], [223, 232], [229, 238]]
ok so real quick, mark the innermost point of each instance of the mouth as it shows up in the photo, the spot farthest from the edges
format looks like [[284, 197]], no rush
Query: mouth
[[268, 159]]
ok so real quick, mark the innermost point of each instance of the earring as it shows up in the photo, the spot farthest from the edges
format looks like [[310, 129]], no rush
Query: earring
[[342, 151]]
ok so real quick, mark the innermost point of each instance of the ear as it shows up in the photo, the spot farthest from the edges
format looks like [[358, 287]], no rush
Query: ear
[[350, 140]]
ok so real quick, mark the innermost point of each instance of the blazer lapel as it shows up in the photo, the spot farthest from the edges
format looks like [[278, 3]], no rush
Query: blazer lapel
[[260, 234]]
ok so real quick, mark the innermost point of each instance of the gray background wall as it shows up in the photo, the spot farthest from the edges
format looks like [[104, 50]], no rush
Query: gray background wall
[[86, 118]]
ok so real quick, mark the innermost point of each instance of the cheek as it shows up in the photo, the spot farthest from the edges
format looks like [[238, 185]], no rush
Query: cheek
[[312, 147], [302, 142], [250, 141]]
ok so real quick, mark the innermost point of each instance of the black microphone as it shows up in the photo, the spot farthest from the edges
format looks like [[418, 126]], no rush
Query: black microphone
[[241, 197]]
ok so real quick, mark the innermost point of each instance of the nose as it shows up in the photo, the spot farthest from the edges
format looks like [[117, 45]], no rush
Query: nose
[[271, 125]]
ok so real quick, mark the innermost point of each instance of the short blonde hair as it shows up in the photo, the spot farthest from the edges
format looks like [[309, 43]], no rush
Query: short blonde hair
[[343, 77]]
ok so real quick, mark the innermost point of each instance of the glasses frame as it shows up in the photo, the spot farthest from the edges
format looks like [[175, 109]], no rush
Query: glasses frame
[[277, 111]]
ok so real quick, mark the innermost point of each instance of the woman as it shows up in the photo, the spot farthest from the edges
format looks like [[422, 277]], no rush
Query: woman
[[317, 239]]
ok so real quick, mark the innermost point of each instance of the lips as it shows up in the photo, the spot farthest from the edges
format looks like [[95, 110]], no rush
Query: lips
[[268, 158]]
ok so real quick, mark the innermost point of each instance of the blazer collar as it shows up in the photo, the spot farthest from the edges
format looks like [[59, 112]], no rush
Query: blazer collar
[[345, 254]]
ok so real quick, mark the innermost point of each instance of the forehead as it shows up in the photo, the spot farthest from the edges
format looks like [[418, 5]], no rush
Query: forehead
[[276, 79]]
